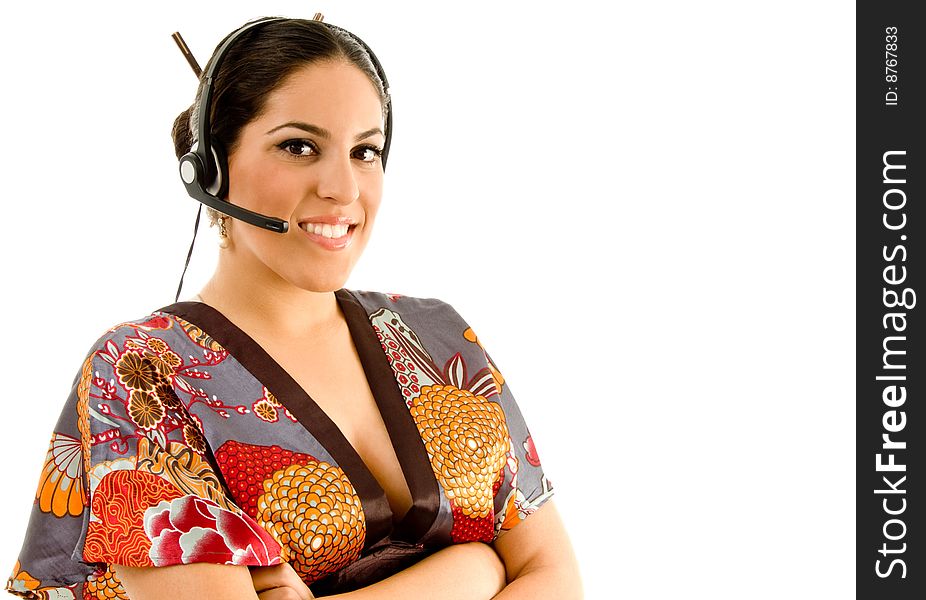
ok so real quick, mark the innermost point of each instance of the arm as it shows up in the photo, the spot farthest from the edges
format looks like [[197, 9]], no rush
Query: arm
[[197, 580], [206, 580], [539, 561], [462, 571], [459, 572], [536, 559]]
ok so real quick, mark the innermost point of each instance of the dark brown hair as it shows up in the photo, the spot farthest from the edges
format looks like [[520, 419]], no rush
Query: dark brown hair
[[257, 64]]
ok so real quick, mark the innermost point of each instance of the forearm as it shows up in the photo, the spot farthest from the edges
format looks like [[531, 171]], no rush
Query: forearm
[[539, 560], [459, 572], [547, 581], [186, 582]]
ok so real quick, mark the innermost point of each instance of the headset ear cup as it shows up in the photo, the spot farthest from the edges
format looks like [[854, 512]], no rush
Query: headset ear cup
[[191, 169], [219, 185]]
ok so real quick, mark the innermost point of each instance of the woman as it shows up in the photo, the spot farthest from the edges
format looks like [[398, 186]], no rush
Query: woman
[[281, 432]]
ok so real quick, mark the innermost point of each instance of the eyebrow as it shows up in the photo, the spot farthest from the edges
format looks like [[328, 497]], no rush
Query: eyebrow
[[322, 132]]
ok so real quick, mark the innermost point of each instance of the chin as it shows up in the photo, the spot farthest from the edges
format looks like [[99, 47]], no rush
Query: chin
[[321, 283]]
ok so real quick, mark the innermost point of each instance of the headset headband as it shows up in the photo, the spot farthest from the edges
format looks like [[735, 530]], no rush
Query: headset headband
[[204, 136]]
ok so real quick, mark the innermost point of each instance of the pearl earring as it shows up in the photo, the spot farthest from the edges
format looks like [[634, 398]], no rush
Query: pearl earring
[[223, 232]]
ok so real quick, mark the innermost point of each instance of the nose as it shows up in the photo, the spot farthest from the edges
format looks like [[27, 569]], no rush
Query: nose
[[337, 180]]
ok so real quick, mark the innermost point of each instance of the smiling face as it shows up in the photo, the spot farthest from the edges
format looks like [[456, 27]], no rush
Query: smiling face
[[312, 158]]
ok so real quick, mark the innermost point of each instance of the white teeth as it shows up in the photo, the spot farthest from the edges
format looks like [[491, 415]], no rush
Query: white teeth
[[326, 230]]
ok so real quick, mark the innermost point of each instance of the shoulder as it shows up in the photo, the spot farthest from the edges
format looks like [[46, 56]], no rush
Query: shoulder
[[430, 329], [434, 311], [158, 331], [396, 300]]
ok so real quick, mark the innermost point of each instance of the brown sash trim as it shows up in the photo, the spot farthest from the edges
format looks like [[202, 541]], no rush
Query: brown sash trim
[[267, 371], [406, 439]]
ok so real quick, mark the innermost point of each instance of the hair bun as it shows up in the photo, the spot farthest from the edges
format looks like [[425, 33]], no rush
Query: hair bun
[[182, 134]]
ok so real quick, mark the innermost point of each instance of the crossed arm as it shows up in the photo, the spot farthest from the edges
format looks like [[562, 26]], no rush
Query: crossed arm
[[533, 560]]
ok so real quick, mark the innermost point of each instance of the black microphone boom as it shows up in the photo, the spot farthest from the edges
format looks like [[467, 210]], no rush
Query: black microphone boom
[[190, 171]]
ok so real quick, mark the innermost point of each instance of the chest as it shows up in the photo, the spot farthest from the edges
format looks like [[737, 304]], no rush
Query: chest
[[331, 373], [371, 433]]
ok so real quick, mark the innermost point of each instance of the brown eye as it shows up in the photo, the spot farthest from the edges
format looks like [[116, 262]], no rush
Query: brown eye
[[368, 154], [298, 147]]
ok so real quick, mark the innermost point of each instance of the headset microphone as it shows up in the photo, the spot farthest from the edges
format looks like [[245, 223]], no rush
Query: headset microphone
[[193, 173]]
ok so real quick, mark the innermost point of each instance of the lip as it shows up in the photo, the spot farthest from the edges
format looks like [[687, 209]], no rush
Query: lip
[[330, 243], [329, 220]]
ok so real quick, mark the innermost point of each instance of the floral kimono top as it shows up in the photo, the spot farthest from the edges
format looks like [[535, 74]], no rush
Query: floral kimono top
[[183, 441]]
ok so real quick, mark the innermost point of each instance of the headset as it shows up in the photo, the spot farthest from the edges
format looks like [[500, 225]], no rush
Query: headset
[[204, 169]]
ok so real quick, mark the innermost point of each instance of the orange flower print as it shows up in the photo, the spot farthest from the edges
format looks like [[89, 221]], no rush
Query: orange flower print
[[266, 411], [199, 336], [133, 344], [194, 438], [21, 581], [465, 433], [268, 395], [157, 345], [163, 369], [172, 359], [270, 399], [136, 372], [83, 409], [467, 439], [183, 467], [245, 467], [168, 397], [471, 336], [145, 409], [61, 491], [104, 585], [327, 531]]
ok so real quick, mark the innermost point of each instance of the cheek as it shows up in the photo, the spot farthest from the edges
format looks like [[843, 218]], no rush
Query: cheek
[[371, 209], [256, 185], [373, 199]]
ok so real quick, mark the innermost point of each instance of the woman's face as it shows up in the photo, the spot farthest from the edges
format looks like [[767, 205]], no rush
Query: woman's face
[[311, 158]]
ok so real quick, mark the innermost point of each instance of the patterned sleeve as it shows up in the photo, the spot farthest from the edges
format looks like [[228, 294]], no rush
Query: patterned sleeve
[[523, 487], [128, 480]]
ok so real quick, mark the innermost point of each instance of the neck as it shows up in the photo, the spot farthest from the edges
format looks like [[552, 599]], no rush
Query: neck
[[264, 304]]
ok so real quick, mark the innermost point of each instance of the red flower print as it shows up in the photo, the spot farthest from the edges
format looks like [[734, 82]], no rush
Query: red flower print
[[531, 451], [116, 534], [191, 529], [246, 467], [157, 322]]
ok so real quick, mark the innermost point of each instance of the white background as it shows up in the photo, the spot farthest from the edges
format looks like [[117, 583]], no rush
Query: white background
[[645, 211]]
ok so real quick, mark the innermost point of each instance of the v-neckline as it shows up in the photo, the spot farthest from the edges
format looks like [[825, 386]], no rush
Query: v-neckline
[[403, 433]]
